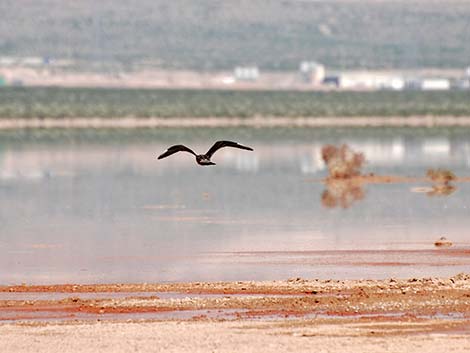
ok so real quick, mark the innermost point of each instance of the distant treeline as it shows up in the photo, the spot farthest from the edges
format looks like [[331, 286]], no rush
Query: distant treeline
[[19, 102], [213, 35]]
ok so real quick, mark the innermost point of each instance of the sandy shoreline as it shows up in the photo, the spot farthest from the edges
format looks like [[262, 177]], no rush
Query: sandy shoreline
[[239, 336], [393, 315], [154, 122]]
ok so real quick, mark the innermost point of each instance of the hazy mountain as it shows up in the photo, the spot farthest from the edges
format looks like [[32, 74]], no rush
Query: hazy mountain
[[208, 34]]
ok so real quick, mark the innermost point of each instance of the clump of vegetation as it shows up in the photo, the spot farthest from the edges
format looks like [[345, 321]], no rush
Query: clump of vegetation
[[442, 179], [342, 162], [342, 193], [441, 176]]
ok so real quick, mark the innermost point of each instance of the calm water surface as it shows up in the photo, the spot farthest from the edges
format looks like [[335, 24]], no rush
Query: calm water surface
[[96, 206]]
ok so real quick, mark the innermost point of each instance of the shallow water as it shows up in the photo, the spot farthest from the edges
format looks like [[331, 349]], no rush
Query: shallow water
[[93, 206]]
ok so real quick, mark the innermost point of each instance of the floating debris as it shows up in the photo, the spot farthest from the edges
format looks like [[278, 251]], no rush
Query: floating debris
[[422, 189], [442, 242], [163, 207]]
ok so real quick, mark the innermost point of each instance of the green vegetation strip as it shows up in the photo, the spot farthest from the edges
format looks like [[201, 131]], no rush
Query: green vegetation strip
[[28, 103]]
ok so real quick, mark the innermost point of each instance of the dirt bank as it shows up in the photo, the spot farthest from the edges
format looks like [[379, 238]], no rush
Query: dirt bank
[[298, 315], [412, 298], [411, 121]]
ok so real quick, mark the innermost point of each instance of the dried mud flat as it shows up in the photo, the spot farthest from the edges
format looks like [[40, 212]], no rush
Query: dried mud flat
[[417, 314]]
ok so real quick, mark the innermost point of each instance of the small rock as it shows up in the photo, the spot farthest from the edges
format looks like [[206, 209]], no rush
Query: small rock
[[295, 279], [443, 242]]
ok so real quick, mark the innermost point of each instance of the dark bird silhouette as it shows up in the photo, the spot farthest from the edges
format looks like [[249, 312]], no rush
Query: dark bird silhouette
[[203, 159]]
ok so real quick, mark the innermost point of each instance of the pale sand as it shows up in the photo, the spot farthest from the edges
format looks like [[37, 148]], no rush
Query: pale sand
[[237, 336], [130, 122]]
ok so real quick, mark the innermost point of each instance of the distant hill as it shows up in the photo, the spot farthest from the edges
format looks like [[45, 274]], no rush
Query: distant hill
[[209, 34]]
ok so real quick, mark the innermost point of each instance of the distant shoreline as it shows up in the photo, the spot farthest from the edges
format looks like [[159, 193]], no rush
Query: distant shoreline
[[215, 122]]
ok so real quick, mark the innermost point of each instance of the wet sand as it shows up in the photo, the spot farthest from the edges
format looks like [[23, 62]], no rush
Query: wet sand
[[393, 315]]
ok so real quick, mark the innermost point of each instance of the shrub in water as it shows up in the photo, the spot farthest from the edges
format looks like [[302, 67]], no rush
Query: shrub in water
[[342, 162]]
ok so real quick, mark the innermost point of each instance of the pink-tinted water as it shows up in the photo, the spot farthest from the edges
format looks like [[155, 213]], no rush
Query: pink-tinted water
[[78, 208]]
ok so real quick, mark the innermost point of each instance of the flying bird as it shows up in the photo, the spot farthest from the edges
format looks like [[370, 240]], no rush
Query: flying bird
[[203, 159]]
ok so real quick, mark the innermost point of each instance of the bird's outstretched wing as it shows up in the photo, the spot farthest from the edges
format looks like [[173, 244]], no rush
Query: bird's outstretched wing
[[173, 149], [220, 144]]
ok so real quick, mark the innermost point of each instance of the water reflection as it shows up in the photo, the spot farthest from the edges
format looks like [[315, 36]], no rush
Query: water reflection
[[435, 190], [98, 207], [34, 159], [442, 190], [342, 193]]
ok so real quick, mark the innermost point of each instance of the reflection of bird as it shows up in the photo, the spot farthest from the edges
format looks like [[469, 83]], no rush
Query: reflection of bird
[[203, 159]]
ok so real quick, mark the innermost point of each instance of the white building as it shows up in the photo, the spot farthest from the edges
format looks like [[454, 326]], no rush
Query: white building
[[371, 81], [32, 61], [312, 72], [435, 84], [246, 73]]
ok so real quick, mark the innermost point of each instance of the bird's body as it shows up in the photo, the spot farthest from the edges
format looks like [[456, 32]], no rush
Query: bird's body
[[203, 159]]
